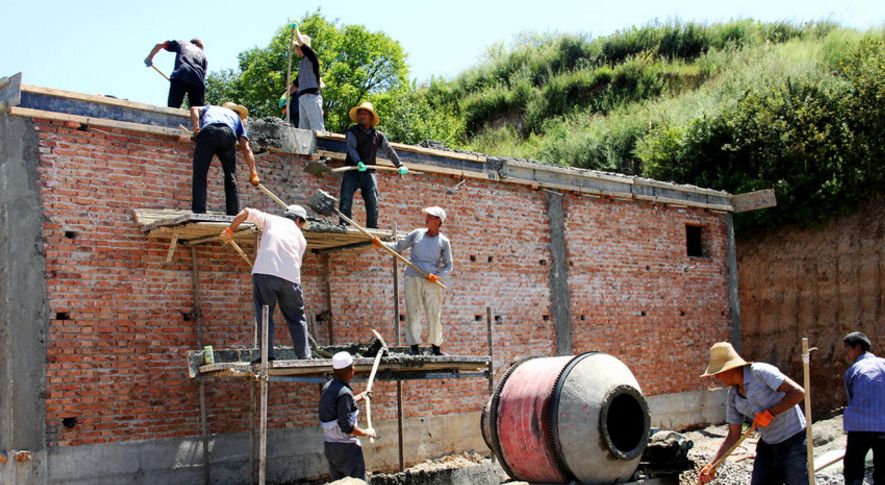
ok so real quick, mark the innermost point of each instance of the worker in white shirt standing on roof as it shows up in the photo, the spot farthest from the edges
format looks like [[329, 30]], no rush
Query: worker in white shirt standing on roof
[[276, 274]]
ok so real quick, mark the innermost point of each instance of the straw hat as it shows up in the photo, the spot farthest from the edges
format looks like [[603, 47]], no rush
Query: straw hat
[[301, 39], [240, 109], [723, 357], [368, 107]]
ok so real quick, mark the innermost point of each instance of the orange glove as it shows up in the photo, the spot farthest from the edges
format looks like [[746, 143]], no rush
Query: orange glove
[[253, 179], [432, 278], [706, 475], [227, 235], [377, 242], [763, 419]]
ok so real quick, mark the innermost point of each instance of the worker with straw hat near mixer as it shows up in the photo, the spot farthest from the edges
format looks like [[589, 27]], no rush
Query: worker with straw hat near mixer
[[761, 393]]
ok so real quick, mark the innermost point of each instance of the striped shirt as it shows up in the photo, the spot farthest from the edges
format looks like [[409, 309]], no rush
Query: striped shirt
[[865, 386], [761, 382]]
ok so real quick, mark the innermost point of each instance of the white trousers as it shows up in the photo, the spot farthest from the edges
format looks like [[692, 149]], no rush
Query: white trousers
[[421, 293]]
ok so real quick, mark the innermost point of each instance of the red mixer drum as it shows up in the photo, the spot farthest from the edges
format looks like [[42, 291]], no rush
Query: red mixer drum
[[558, 419]]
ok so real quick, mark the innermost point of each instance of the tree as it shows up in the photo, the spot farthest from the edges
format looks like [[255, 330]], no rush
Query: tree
[[355, 64]]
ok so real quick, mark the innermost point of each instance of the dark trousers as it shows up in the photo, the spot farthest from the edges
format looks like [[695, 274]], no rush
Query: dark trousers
[[270, 290], [345, 460], [859, 444], [365, 182], [215, 140], [785, 462], [196, 95]]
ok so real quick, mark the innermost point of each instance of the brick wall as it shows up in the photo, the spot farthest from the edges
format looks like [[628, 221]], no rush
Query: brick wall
[[121, 314]]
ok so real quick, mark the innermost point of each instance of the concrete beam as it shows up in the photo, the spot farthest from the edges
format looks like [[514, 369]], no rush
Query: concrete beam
[[560, 303], [24, 313]]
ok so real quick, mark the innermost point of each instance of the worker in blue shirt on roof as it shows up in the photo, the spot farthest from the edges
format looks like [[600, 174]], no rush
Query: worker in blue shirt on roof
[[864, 418], [217, 129], [189, 74]]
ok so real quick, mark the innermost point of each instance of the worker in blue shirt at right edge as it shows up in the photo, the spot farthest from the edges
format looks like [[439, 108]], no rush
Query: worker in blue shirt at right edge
[[864, 418]]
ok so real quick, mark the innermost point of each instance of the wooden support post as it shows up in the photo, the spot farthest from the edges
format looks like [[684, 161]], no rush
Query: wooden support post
[[491, 370], [198, 331], [809, 434], [262, 444], [172, 245], [399, 382]]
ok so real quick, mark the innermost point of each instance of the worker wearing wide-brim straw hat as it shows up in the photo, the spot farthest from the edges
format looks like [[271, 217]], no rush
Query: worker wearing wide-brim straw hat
[[364, 144], [761, 393], [310, 96]]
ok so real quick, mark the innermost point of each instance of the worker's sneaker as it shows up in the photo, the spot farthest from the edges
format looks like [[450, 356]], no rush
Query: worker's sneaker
[[415, 350], [436, 350]]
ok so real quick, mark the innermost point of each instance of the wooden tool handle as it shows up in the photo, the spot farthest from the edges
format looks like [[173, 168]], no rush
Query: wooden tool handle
[[733, 447], [372, 380], [160, 72], [240, 250], [270, 194], [387, 248]]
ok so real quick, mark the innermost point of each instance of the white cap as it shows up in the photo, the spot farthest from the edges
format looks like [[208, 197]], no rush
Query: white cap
[[341, 360], [435, 211], [296, 211]]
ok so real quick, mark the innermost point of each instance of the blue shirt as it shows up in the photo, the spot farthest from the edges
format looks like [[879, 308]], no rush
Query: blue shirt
[[865, 386], [190, 62], [210, 115], [431, 254], [761, 382]]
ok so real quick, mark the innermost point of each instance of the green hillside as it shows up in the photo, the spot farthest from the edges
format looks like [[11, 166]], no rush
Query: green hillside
[[737, 106]]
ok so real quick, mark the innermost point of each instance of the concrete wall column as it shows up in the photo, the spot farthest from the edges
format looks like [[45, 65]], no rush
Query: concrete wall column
[[560, 304], [24, 312]]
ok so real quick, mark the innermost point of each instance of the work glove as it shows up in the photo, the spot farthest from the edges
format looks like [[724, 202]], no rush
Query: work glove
[[432, 278], [361, 167], [763, 419], [707, 474], [227, 235], [253, 179], [377, 242], [148, 62], [371, 433], [364, 395], [403, 170]]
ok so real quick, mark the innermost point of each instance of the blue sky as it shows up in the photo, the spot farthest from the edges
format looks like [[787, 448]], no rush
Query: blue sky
[[94, 46]]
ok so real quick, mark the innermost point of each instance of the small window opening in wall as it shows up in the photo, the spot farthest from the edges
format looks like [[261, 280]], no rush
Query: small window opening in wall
[[69, 422], [546, 317], [693, 240], [71, 234], [472, 258], [497, 318], [62, 316], [491, 259], [478, 318]]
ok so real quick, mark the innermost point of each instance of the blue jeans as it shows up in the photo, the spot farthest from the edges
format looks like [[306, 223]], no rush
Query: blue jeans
[[269, 290], [365, 182], [785, 462]]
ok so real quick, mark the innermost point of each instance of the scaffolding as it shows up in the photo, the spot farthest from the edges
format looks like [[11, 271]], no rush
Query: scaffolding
[[191, 230]]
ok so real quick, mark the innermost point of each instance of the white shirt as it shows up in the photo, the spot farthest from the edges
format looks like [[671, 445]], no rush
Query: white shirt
[[282, 246]]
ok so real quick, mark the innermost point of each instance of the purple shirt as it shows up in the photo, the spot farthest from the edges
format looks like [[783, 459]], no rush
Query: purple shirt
[[865, 386]]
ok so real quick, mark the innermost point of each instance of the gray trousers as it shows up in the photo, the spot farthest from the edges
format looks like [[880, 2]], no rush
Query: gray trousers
[[310, 112], [269, 290], [345, 460]]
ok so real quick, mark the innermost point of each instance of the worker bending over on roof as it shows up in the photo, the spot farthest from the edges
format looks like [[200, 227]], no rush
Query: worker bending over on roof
[[276, 274], [760, 392], [338, 417], [432, 252], [364, 143], [309, 86], [216, 131], [189, 74], [864, 418]]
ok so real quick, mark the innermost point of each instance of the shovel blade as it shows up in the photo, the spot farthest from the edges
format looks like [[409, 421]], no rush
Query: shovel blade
[[317, 168]]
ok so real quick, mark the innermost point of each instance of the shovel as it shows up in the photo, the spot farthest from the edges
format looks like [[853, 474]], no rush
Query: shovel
[[324, 204], [731, 449]]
